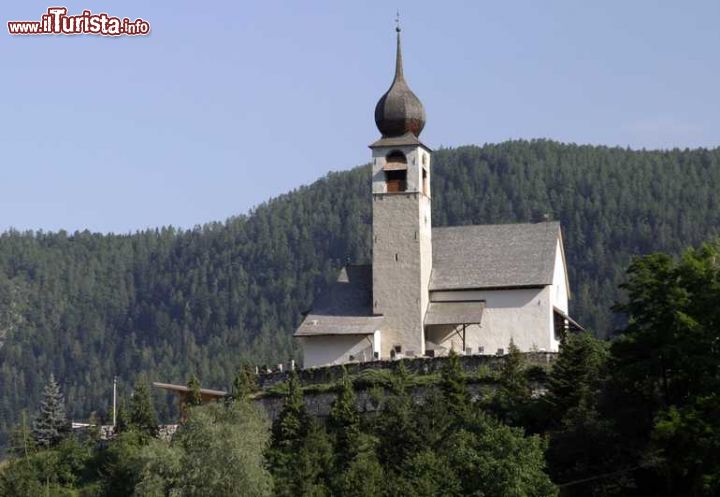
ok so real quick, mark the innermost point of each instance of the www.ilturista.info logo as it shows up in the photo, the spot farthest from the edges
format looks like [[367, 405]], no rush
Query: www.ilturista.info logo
[[57, 22]]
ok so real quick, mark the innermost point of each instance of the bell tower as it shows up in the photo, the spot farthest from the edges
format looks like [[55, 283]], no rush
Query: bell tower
[[402, 227]]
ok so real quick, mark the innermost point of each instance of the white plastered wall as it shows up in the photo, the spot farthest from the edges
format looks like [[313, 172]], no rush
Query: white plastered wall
[[523, 315], [559, 291], [337, 349]]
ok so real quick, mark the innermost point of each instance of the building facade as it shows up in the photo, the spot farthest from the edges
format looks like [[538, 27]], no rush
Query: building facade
[[429, 290]]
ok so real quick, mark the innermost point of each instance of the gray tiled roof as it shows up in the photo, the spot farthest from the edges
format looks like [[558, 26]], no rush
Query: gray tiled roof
[[398, 141], [493, 256], [345, 308], [454, 313]]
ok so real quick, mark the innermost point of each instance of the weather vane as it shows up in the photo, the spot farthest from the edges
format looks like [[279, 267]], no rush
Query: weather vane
[[397, 20]]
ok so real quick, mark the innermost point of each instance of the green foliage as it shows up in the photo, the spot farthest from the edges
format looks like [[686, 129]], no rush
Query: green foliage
[[311, 468], [512, 397], [364, 477], [51, 424], [494, 459], [159, 466], [244, 383], [344, 424], [223, 446], [59, 470], [396, 427], [577, 374], [142, 415], [289, 433], [453, 387], [165, 303], [664, 372], [194, 397]]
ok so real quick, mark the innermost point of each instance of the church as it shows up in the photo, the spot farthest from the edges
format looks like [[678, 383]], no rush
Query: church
[[471, 289]]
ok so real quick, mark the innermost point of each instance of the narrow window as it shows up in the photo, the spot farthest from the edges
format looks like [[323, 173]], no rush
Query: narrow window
[[426, 187], [396, 257]]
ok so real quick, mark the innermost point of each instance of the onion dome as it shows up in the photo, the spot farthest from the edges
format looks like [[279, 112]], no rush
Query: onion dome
[[399, 111]]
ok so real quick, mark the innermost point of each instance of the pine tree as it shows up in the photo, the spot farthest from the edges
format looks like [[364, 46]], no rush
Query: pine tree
[[142, 412], [396, 425], [577, 373], [194, 397], [344, 424], [244, 384], [291, 425], [511, 398], [122, 422], [51, 424], [289, 433], [453, 387]]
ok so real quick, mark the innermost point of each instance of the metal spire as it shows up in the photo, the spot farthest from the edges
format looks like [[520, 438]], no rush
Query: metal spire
[[398, 56]]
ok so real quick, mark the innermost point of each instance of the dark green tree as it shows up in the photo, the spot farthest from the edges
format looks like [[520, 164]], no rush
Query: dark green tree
[[344, 424], [577, 374], [142, 415], [312, 466], [51, 424], [454, 387], [289, 433], [511, 399], [245, 383], [194, 397], [395, 426]]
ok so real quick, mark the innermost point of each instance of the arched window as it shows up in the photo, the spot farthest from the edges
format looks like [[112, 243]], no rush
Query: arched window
[[395, 171], [396, 156]]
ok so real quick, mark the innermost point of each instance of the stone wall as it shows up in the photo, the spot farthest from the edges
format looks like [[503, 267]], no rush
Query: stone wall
[[417, 365], [318, 404]]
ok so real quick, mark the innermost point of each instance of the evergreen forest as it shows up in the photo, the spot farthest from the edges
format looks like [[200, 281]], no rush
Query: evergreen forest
[[166, 304]]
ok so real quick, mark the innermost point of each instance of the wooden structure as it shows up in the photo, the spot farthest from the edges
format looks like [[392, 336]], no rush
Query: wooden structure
[[183, 392]]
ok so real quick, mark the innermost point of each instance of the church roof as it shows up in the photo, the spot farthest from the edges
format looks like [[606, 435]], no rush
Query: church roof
[[345, 308], [399, 141], [493, 256]]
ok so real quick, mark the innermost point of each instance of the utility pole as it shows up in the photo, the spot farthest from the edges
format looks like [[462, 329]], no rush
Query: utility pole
[[114, 402]]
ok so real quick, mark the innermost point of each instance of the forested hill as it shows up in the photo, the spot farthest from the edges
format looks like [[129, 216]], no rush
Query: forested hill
[[168, 302]]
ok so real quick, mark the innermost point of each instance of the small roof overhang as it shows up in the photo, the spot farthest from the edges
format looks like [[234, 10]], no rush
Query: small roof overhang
[[408, 139], [327, 325], [571, 323], [454, 313], [182, 389]]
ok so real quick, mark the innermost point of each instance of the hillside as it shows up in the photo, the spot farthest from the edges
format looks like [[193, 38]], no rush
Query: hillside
[[168, 302]]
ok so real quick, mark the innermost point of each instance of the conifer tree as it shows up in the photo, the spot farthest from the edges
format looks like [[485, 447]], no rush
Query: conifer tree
[[51, 422], [194, 397], [142, 412], [291, 425], [576, 374], [244, 384], [453, 387], [344, 423], [122, 421], [312, 467], [397, 431], [289, 432], [513, 393]]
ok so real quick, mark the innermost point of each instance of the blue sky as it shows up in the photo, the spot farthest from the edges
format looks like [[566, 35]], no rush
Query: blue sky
[[222, 108]]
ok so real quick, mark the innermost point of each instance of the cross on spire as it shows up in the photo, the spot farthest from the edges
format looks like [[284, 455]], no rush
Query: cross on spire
[[397, 20]]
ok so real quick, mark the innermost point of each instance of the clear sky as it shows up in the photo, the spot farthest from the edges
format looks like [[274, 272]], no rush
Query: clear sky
[[229, 103]]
